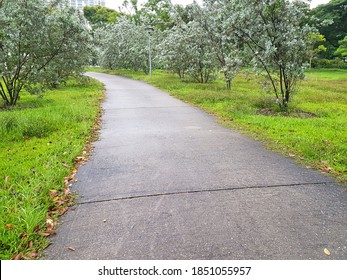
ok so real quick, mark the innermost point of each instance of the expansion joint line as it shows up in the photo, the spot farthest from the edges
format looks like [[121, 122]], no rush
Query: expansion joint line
[[199, 191]]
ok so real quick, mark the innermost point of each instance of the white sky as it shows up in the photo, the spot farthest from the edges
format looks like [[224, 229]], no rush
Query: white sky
[[114, 4]]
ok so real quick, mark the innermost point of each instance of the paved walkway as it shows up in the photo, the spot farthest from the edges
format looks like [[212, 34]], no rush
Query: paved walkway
[[166, 182]]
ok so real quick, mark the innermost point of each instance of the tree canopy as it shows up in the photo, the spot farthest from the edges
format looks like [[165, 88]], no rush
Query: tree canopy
[[336, 13], [97, 15], [41, 45], [273, 37]]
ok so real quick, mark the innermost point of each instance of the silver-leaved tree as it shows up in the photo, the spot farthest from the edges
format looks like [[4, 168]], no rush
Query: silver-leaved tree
[[275, 37], [271, 36], [123, 45], [186, 48], [40, 45]]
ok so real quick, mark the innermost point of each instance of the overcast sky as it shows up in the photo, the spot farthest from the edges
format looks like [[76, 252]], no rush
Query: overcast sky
[[114, 4]]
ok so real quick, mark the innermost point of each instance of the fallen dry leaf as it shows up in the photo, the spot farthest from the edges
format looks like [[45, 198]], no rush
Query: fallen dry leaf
[[50, 231], [44, 234], [53, 193], [72, 249], [9, 226], [7, 178], [63, 210], [327, 170], [69, 179], [33, 254], [327, 252], [30, 244], [79, 159], [17, 257], [49, 223], [49, 227]]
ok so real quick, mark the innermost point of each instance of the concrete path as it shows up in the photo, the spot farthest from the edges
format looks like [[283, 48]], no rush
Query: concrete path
[[166, 182]]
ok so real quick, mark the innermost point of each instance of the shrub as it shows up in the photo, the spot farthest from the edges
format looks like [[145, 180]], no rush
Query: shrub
[[329, 63]]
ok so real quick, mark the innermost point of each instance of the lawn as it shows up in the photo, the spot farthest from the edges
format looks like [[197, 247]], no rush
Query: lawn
[[42, 140], [313, 131]]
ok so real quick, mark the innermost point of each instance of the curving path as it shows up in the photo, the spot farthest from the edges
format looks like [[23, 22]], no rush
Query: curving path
[[166, 181]]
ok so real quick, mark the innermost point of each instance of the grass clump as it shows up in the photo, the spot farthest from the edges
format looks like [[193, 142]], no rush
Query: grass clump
[[313, 130], [40, 140]]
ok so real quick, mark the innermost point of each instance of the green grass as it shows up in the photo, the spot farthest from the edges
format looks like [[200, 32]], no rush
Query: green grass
[[40, 138], [319, 142]]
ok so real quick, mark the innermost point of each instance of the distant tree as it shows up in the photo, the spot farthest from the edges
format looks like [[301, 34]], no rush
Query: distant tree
[[156, 13], [336, 12], [132, 10], [316, 41], [226, 46], [41, 44], [123, 45], [186, 48], [342, 49], [173, 52], [97, 15]]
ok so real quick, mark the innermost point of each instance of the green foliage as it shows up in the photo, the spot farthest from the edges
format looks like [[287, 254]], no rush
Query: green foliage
[[155, 13], [313, 130], [336, 12], [342, 49], [316, 39], [97, 15], [329, 63], [39, 140]]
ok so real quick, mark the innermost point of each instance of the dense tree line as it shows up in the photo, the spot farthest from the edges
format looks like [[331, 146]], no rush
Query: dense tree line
[[332, 24], [41, 44], [272, 37]]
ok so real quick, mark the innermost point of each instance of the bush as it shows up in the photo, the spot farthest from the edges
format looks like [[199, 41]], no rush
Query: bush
[[329, 63]]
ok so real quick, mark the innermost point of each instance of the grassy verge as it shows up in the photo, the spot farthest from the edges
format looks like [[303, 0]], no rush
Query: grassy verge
[[314, 131], [42, 139]]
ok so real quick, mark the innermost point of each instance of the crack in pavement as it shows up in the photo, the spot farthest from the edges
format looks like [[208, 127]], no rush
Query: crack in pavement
[[200, 191]]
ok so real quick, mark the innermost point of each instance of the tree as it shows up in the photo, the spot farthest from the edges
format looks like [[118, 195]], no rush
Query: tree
[[124, 45], [336, 12], [173, 53], [156, 13], [342, 49], [186, 48], [274, 37], [97, 15], [131, 9], [226, 47], [41, 45], [316, 39]]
